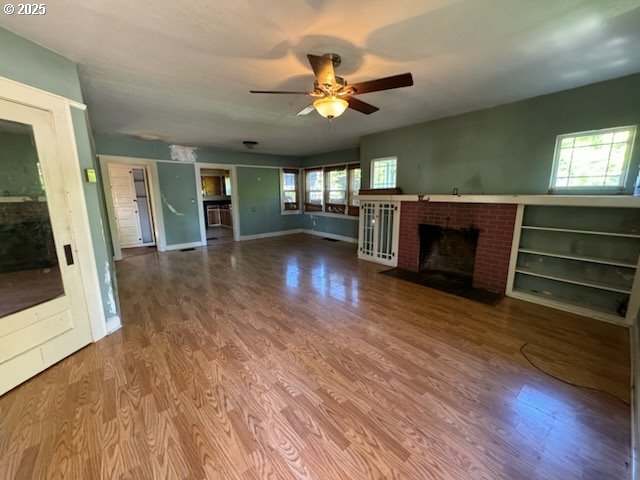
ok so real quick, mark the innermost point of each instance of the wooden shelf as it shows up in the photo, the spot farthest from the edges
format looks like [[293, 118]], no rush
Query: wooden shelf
[[586, 232], [598, 285], [570, 306], [604, 261]]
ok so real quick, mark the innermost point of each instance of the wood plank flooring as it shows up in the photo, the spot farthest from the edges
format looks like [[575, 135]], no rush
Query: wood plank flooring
[[288, 358]]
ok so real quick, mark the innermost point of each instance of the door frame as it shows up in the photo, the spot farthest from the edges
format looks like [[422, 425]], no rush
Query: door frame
[[65, 139], [153, 186], [235, 214]]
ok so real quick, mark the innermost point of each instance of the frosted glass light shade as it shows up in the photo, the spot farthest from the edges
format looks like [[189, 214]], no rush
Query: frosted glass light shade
[[330, 107]]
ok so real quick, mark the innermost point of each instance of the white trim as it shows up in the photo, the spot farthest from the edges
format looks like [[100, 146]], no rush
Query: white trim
[[515, 245], [299, 192], [180, 246], [34, 91], [625, 166], [342, 216], [235, 199], [621, 201], [342, 238], [585, 232], [372, 163], [79, 217], [113, 324], [634, 338], [315, 167], [633, 308], [85, 253], [581, 258], [560, 305], [279, 233], [153, 184]]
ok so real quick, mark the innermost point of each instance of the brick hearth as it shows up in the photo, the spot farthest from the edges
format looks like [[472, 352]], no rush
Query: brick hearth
[[495, 222]]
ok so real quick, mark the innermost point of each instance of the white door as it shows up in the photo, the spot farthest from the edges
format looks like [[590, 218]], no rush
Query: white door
[[125, 205], [378, 232], [43, 311]]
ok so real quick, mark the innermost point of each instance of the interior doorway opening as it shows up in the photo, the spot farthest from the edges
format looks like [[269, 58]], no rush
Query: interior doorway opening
[[217, 200], [130, 191]]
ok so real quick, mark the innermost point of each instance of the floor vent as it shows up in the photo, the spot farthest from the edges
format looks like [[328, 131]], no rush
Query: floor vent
[[330, 239], [186, 249]]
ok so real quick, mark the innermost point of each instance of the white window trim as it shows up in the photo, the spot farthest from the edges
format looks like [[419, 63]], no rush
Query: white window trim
[[299, 191], [322, 213], [371, 170], [597, 188]]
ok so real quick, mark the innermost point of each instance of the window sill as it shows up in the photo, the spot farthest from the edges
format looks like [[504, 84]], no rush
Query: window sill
[[290, 212], [334, 215]]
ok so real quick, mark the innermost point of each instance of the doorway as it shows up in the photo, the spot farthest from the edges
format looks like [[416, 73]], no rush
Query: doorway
[[217, 203], [43, 302], [131, 205]]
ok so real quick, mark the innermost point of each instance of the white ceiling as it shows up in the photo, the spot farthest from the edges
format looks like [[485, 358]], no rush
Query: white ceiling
[[183, 69]]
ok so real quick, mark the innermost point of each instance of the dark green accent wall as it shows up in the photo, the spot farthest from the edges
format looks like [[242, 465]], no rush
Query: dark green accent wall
[[259, 202], [506, 149], [179, 203], [26, 62]]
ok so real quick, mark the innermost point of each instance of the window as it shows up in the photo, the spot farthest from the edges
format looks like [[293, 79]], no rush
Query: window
[[335, 195], [313, 190], [598, 159], [383, 172], [290, 188], [354, 174], [227, 185]]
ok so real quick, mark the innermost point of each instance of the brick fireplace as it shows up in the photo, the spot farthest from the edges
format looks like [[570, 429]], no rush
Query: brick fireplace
[[495, 223]]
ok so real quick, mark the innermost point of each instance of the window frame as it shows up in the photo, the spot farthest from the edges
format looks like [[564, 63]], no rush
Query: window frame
[[372, 171], [298, 190], [350, 211], [330, 207], [624, 174], [307, 190]]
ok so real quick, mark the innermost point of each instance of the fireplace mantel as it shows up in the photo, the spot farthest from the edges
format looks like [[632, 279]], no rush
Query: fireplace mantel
[[622, 201]]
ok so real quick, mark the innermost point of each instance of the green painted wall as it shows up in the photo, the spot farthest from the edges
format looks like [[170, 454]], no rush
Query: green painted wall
[[20, 176], [259, 202], [130, 147], [26, 62], [337, 226], [98, 223], [348, 155], [506, 149], [179, 202], [331, 224]]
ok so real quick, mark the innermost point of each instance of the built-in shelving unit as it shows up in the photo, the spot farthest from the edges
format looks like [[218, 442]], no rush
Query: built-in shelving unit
[[580, 258]]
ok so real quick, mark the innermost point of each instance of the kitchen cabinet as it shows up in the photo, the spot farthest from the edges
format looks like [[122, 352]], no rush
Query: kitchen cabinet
[[211, 186], [213, 216], [225, 217]]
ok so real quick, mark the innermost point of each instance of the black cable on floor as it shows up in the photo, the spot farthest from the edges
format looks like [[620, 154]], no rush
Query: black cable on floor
[[566, 381]]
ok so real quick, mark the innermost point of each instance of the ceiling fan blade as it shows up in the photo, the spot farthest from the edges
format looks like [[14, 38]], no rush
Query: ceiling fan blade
[[323, 69], [306, 110], [387, 83], [361, 106], [279, 92]]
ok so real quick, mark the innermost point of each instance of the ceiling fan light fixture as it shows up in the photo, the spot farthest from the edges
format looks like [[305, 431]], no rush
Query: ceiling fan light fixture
[[330, 107]]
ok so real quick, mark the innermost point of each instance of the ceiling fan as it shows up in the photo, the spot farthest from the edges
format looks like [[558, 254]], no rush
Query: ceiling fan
[[334, 94]]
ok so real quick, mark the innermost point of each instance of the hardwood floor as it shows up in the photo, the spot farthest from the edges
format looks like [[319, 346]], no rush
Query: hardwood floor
[[289, 358]]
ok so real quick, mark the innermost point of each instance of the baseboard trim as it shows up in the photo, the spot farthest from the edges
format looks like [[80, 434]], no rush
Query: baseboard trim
[[279, 233], [180, 246], [635, 401], [342, 238], [113, 324]]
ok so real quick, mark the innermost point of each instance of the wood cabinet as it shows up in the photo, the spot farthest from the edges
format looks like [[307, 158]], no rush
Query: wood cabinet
[[211, 186], [213, 216], [225, 217]]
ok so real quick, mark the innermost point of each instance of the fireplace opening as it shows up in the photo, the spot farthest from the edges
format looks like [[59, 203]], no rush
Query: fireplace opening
[[448, 252]]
